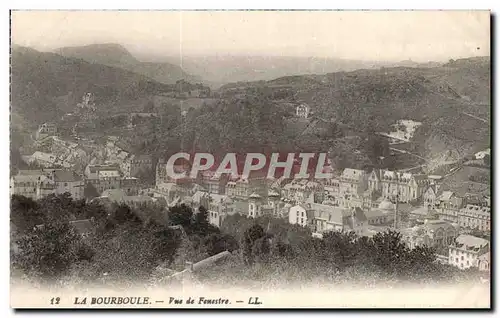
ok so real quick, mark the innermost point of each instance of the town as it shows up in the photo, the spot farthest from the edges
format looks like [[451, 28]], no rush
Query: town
[[276, 159], [420, 207]]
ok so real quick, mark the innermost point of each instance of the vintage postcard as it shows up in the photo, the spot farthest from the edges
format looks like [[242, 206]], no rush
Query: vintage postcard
[[250, 159]]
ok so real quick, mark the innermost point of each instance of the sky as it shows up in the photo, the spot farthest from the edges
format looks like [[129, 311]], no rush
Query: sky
[[357, 35]]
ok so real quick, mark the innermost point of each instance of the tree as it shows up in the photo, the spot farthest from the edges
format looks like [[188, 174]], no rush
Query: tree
[[24, 212], [48, 252], [201, 226], [217, 243], [181, 215], [250, 237]]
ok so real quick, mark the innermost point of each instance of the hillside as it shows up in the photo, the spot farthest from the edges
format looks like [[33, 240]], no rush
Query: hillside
[[366, 101], [46, 85], [117, 56]]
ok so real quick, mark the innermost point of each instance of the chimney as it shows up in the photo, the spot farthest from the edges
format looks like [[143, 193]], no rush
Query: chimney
[[189, 266]]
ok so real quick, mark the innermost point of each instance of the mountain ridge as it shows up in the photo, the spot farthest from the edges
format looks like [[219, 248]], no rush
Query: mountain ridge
[[116, 55]]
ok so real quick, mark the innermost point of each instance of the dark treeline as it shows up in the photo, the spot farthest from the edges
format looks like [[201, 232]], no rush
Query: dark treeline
[[129, 243]]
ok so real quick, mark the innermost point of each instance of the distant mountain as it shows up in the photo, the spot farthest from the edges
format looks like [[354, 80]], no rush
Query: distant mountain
[[45, 85], [218, 70], [118, 56]]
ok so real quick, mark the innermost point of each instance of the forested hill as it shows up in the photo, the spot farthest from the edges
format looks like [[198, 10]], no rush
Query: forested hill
[[41, 80], [367, 101]]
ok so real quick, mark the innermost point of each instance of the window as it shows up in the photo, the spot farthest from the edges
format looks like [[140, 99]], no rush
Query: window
[[462, 258], [467, 263]]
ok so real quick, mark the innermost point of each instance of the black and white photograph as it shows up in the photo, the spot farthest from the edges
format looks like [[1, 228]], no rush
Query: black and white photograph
[[250, 159]]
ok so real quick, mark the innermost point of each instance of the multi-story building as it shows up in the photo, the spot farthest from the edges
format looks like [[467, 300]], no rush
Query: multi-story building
[[353, 182], [406, 187], [34, 186], [134, 164], [213, 183], [475, 217], [466, 250], [449, 205], [242, 188], [67, 181], [299, 191], [218, 206]]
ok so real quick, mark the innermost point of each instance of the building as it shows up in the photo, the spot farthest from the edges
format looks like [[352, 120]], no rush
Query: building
[[93, 171], [484, 262], [218, 206], [300, 214], [300, 190], [302, 111], [406, 187], [34, 186], [466, 250], [47, 160], [130, 185], [433, 233], [120, 197], [242, 188], [449, 205], [163, 177], [431, 195], [353, 183], [482, 154], [475, 217], [135, 164], [213, 183], [67, 181], [46, 130]]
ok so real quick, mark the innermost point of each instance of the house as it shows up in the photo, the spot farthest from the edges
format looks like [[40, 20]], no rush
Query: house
[[466, 250], [482, 154], [67, 181], [475, 217], [301, 215], [302, 111], [46, 130]]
